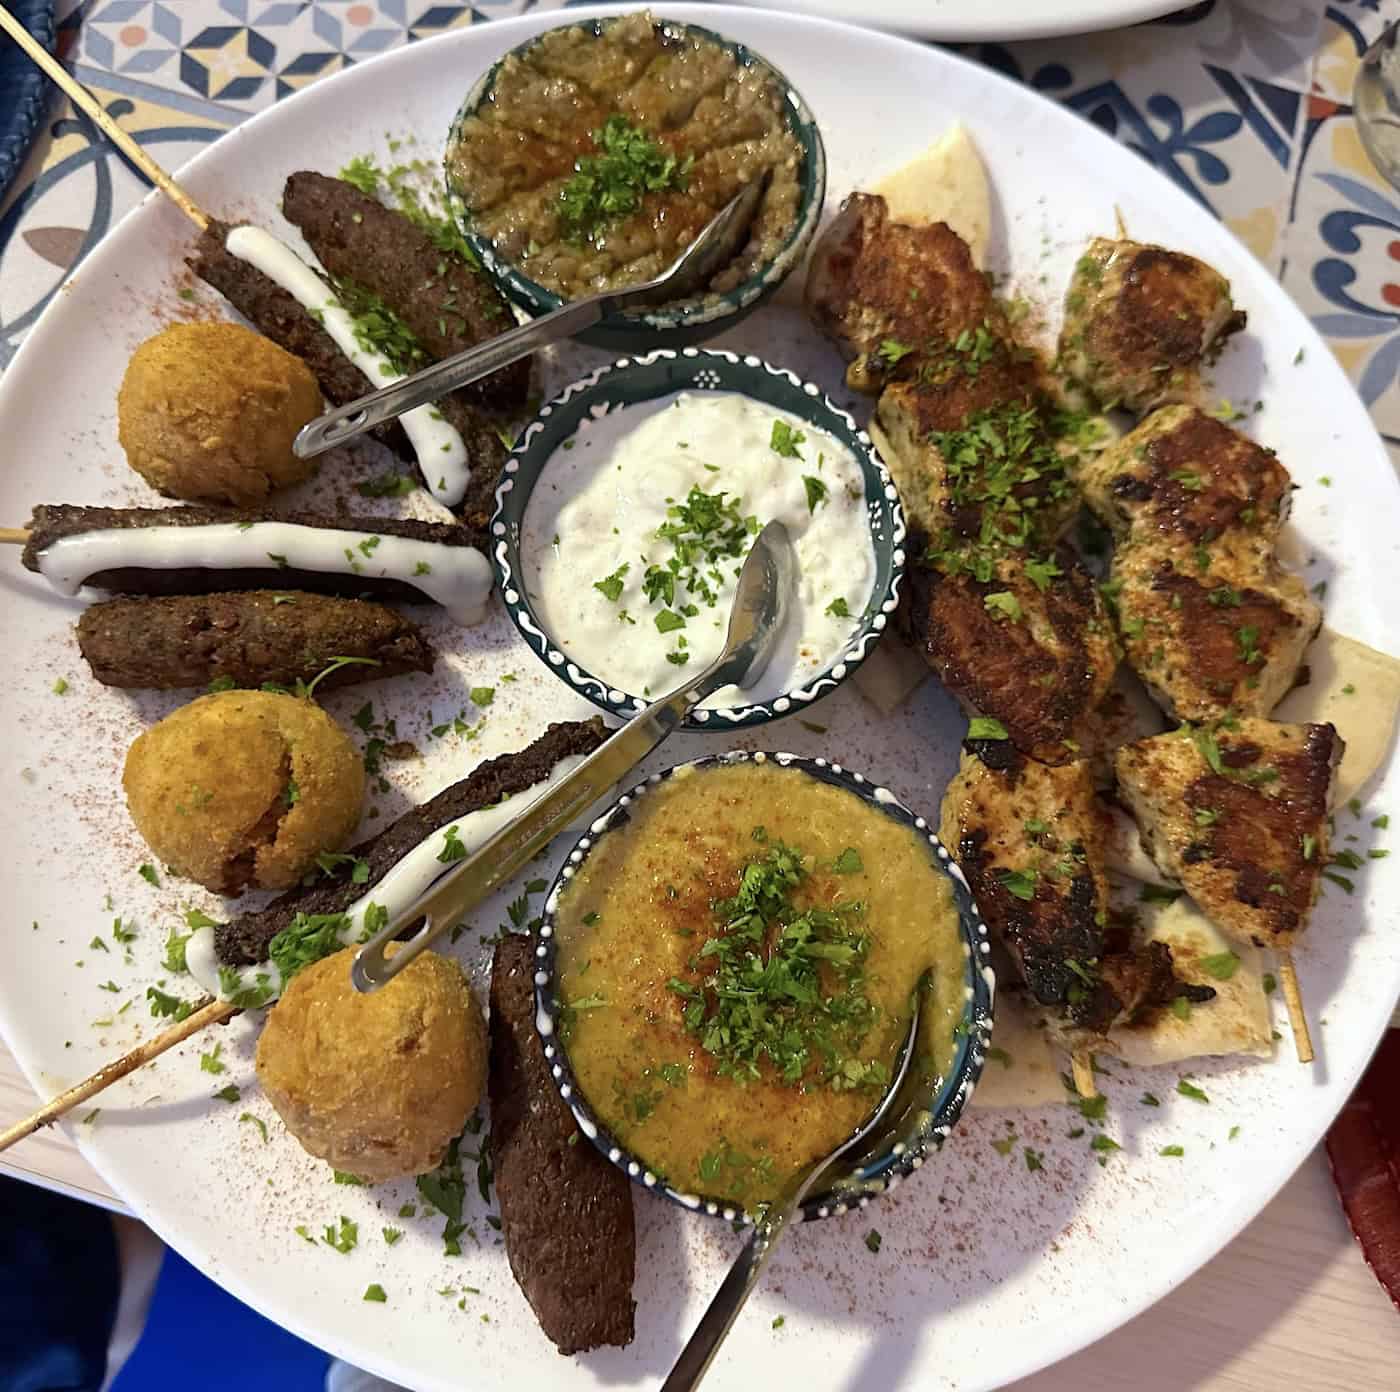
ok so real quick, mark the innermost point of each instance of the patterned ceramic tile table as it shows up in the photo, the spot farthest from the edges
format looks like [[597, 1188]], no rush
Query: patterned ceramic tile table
[[1242, 103]]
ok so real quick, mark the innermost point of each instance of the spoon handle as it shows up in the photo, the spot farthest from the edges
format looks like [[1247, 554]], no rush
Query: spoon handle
[[498, 858], [388, 403], [699, 1352]]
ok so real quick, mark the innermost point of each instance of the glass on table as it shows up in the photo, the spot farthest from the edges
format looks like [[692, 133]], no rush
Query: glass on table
[[1376, 103]]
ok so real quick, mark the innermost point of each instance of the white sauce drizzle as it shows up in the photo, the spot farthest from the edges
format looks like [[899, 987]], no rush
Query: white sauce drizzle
[[442, 456], [405, 881], [457, 577], [596, 509]]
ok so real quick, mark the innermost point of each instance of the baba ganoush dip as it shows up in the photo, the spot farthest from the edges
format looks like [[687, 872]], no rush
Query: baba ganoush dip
[[638, 527], [598, 155], [735, 969]]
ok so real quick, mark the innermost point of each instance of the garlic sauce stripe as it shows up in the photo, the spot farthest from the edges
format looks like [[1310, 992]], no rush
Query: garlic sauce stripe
[[442, 455]]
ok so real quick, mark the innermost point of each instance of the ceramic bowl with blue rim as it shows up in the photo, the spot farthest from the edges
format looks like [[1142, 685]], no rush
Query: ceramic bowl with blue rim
[[921, 1130], [688, 321], [646, 380]]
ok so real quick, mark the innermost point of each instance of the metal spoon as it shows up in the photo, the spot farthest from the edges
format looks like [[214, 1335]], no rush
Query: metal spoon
[[699, 1352], [761, 599], [716, 245]]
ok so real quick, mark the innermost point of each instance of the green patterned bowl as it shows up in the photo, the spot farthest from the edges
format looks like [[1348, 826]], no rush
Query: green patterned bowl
[[689, 321], [660, 373]]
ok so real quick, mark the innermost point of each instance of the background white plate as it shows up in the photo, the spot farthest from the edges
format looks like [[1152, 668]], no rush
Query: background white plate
[[977, 20], [987, 1270]]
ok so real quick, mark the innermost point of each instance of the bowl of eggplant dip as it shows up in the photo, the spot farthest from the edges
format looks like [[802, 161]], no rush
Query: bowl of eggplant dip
[[725, 973], [588, 158], [626, 509]]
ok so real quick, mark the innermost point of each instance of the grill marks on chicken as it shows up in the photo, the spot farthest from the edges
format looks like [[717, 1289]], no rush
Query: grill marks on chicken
[[882, 291], [983, 455], [1237, 814], [1043, 674], [1209, 620], [1140, 321], [1028, 839]]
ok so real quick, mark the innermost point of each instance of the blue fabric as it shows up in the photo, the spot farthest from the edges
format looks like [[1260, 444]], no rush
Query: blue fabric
[[22, 87], [60, 1276]]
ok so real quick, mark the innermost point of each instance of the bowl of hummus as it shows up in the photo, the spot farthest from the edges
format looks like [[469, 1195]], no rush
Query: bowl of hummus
[[725, 972], [588, 158]]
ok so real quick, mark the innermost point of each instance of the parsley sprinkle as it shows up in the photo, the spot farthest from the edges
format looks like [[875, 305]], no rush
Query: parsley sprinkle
[[375, 1293], [1021, 883], [259, 1123], [848, 862], [1188, 1089], [785, 440], [608, 186], [1174, 1151], [1221, 965], [1104, 1143], [982, 727], [60, 686], [837, 608], [452, 847], [873, 1240], [610, 587], [209, 1063], [779, 1321], [1005, 603], [228, 1094], [1149, 1100], [816, 492], [482, 695], [891, 350]]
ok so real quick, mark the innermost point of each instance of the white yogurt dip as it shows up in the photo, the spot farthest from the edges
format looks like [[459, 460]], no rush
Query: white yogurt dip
[[638, 527]]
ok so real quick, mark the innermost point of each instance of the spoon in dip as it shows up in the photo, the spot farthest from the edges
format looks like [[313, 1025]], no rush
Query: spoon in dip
[[761, 600], [717, 244], [699, 1352]]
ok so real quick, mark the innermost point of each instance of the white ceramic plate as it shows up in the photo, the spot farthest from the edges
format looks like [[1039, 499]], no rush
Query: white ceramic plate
[[987, 1270], [973, 21]]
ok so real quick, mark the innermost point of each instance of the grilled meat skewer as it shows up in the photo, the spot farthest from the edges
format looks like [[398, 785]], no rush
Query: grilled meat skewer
[[1140, 321], [1236, 813], [446, 303], [243, 941], [1028, 837], [205, 550], [247, 639]]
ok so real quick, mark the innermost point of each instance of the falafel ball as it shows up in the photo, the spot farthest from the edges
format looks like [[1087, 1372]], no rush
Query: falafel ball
[[244, 789], [377, 1085], [207, 412]]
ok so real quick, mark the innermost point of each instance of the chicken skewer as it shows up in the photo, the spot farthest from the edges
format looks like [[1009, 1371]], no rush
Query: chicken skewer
[[1237, 813], [244, 962]]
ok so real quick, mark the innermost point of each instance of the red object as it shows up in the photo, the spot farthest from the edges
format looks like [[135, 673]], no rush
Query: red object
[[1364, 1149]]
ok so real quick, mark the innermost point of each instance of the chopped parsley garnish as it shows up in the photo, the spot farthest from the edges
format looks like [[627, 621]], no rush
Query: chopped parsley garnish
[[165, 1006], [1035, 1160], [837, 609], [848, 862], [873, 1239], [1021, 883], [782, 983], [60, 686], [1175, 1151], [306, 939], [148, 873], [785, 440], [1003, 602], [258, 1122], [667, 621], [390, 485], [1221, 965], [482, 696], [228, 1094], [1150, 1100], [210, 1062], [237, 992], [1188, 1089], [343, 1238], [609, 186], [1181, 1007], [1104, 1143], [891, 350], [374, 1292], [816, 492], [982, 727], [174, 959], [610, 586], [452, 847]]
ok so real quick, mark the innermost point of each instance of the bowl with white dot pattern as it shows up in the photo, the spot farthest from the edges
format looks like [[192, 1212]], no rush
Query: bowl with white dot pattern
[[662, 373], [920, 1129]]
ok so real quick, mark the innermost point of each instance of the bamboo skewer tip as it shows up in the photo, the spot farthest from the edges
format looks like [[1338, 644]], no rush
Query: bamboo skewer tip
[[206, 1012], [14, 536], [1082, 1066], [1293, 999]]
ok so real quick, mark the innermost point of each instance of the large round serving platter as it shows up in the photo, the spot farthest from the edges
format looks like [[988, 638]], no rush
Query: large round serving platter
[[987, 1269]]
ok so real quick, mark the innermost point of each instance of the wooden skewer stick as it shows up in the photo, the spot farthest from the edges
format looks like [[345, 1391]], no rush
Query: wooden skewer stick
[[207, 1012], [1082, 1066], [14, 536], [94, 110], [1293, 999]]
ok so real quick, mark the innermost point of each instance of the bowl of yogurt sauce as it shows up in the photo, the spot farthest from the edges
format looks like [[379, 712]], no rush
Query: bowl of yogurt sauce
[[627, 507]]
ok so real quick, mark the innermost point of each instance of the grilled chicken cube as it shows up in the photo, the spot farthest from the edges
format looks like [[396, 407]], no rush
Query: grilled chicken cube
[[914, 418], [1236, 813], [1040, 659], [1190, 478], [1140, 321], [1204, 643], [884, 292], [1028, 839]]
